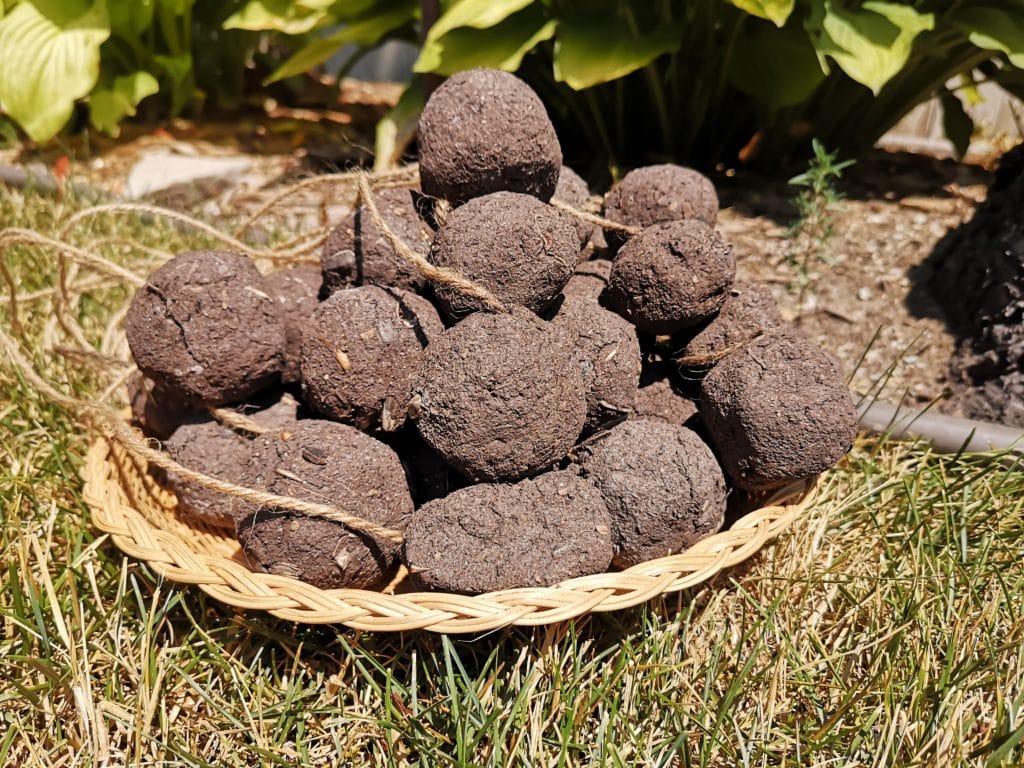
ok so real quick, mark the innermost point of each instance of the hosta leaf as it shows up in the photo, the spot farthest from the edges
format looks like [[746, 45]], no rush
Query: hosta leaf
[[367, 32], [479, 14], [501, 47], [286, 16], [48, 63], [396, 129], [872, 43], [111, 102], [130, 18], [775, 11], [596, 50], [994, 30], [778, 67]]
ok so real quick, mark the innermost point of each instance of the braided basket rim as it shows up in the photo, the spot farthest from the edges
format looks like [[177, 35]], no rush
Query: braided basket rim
[[139, 515]]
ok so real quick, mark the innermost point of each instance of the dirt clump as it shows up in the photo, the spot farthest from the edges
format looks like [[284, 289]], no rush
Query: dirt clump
[[297, 291], [572, 189], [659, 401], [357, 253], [778, 410], [749, 310], [520, 249], [361, 352], [157, 410], [206, 326], [590, 279], [485, 131], [335, 465], [499, 399], [533, 533], [671, 276]]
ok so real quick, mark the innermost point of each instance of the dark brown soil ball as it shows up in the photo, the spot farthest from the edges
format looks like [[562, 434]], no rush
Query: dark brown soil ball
[[297, 290], [361, 351], [339, 466], [499, 398], [486, 131], [205, 445], [589, 280], [660, 402], [572, 189], [156, 410], [357, 253], [662, 485], [777, 410], [520, 249], [671, 276], [533, 533], [272, 413], [658, 193], [748, 311], [429, 476], [606, 349], [206, 326]]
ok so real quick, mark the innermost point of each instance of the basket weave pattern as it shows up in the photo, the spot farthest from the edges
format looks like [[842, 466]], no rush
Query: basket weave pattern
[[141, 518]]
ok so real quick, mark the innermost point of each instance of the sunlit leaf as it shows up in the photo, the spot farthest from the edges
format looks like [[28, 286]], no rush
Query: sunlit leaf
[[396, 129], [775, 11], [993, 29], [109, 103], [130, 18], [286, 16], [479, 14]]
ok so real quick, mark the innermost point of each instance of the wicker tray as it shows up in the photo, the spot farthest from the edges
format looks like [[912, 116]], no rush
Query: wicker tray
[[141, 518]]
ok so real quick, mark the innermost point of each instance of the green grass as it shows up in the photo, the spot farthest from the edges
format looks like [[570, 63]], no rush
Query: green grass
[[883, 629]]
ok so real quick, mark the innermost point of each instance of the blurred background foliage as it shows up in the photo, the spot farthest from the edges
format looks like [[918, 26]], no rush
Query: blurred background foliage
[[626, 82]]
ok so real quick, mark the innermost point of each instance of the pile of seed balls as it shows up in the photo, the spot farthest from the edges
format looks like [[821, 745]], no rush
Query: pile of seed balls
[[600, 421]]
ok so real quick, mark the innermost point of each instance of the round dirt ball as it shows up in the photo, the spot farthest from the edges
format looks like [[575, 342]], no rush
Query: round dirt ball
[[336, 465], [748, 311], [533, 533], [572, 189], [360, 354], [520, 249], [662, 485], [156, 410], [658, 193], [778, 410], [486, 131], [499, 398], [660, 402], [589, 280], [357, 253], [606, 349], [671, 276], [206, 326], [297, 290]]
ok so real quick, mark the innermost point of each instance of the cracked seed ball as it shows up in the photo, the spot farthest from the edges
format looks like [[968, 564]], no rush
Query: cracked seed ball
[[533, 533], [660, 402], [335, 465], [486, 131], [606, 349], [671, 276], [589, 280], [572, 189], [205, 326], [360, 354], [663, 487], [297, 290], [748, 311], [357, 253], [520, 249], [499, 398], [778, 410], [657, 193]]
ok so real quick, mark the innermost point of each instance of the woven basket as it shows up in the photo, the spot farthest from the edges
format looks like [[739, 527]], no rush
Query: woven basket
[[142, 520]]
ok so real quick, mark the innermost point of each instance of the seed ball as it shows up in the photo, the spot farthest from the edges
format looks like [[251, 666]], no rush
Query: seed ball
[[429, 476], [572, 189], [777, 411], [606, 349], [357, 253], [589, 280], [297, 290], [533, 533], [499, 398], [748, 311], [360, 354], [486, 131], [156, 410], [671, 276], [205, 326], [662, 485], [520, 249], [658, 193], [660, 402], [335, 465], [205, 445]]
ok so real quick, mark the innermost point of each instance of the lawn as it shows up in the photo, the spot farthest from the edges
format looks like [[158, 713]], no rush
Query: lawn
[[883, 628]]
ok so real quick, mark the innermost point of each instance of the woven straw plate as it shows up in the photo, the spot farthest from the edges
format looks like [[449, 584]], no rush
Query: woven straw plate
[[142, 520]]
